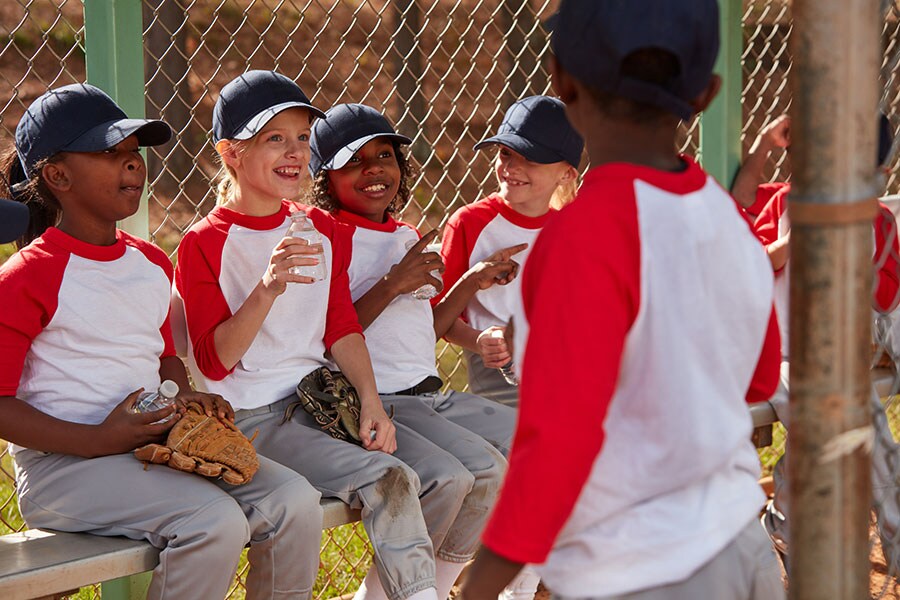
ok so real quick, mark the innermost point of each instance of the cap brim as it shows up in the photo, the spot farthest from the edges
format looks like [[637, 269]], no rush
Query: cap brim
[[13, 220], [523, 146], [259, 121], [106, 135], [340, 158]]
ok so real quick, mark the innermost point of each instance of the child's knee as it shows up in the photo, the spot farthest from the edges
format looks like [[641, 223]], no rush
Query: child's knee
[[221, 527], [443, 472], [298, 500], [491, 478]]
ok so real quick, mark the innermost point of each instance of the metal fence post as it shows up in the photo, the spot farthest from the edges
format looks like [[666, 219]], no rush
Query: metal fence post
[[836, 51], [114, 61], [114, 57], [720, 124]]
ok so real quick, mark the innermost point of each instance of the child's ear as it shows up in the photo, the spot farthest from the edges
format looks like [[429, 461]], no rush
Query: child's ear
[[228, 151], [569, 174], [705, 98], [56, 176]]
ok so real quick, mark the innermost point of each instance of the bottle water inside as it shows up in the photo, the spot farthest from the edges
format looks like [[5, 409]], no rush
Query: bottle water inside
[[301, 227], [161, 398]]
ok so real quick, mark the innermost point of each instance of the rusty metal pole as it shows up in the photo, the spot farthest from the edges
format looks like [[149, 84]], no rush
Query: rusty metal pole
[[836, 50]]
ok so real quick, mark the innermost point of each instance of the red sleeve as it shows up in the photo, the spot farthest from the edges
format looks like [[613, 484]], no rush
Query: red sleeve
[[205, 308], [886, 261], [460, 235], [540, 490], [29, 286], [764, 193], [154, 254], [455, 253], [766, 225], [340, 318], [768, 367]]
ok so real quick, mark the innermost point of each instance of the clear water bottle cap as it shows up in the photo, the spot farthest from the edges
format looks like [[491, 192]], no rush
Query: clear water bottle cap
[[168, 388]]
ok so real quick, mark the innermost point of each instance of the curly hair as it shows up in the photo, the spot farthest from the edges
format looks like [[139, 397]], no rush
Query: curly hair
[[43, 208], [321, 196]]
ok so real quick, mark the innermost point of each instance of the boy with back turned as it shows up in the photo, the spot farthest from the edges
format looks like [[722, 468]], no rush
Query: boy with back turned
[[634, 476]]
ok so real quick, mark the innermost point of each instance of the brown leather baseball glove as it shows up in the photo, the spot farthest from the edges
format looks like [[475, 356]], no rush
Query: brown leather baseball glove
[[332, 401], [204, 445]]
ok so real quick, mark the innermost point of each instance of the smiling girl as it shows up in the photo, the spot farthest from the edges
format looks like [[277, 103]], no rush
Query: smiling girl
[[257, 329], [537, 156], [362, 176]]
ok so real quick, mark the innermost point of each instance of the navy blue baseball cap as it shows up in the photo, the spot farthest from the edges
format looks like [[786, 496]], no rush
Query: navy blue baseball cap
[[13, 220], [347, 128], [79, 118], [537, 128], [250, 101], [591, 38]]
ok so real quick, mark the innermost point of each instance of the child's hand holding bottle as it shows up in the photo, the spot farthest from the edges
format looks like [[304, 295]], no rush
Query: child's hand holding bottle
[[492, 347], [417, 268], [291, 253], [125, 429]]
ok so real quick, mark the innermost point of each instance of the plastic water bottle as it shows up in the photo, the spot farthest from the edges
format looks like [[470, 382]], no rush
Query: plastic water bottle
[[509, 373], [509, 369], [161, 398], [427, 291], [302, 228]]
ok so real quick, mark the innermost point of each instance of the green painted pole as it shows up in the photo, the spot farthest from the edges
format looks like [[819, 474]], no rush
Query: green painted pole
[[114, 57], [720, 124]]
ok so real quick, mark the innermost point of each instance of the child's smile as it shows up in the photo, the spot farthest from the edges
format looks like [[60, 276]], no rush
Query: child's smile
[[525, 183], [369, 181], [272, 166]]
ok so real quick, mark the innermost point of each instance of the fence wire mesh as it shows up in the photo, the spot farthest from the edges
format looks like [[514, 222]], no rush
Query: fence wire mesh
[[443, 71]]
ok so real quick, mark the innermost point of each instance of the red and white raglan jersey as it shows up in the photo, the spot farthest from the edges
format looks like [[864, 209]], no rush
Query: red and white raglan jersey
[[83, 326], [472, 234], [220, 261], [651, 293], [401, 339], [774, 222]]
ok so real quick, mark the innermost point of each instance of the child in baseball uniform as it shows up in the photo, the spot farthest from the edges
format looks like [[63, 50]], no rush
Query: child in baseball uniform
[[749, 188], [389, 263], [257, 328], [773, 227], [537, 156], [362, 177], [667, 329], [85, 322]]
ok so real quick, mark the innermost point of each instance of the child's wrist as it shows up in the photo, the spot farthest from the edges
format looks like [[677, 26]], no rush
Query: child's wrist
[[390, 286]]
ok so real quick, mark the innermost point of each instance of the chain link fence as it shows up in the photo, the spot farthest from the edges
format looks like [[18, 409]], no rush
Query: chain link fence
[[443, 71]]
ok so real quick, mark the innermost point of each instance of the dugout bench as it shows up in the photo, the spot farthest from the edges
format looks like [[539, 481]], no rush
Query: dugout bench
[[764, 416], [37, 564]]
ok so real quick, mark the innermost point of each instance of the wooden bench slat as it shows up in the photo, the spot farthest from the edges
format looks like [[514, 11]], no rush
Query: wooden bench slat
[[36, 563], [39, 563]]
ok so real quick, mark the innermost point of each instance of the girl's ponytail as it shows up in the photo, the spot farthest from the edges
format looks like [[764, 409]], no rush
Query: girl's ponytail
[[43, 209]]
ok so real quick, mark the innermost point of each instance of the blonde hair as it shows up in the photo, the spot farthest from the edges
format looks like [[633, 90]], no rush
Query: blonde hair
[[226, 181], [565, 192]]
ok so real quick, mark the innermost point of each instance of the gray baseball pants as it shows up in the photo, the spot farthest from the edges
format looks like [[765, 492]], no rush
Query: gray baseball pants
[[494, 422], [200, 525], [488, 382], [745, 570], [477, 456], [409, 501]]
